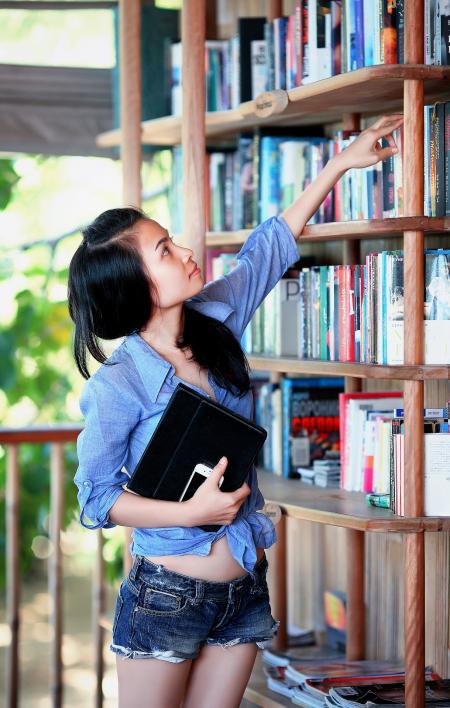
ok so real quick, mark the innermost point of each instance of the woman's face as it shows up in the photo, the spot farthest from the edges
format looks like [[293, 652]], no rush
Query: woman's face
[[171, 267]]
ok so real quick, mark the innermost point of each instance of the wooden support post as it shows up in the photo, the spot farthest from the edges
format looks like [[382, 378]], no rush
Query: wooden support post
[[356, 616], [274, 9], [13, 588], [98, 609], [413, 551], [356, 619], [278, 571], [130, 123], [130, 100], [55, 571], [193, 127]]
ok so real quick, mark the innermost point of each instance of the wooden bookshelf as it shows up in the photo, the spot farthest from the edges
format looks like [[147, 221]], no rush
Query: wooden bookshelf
[[321, 102], [338, 230], [339, 507], [319, 367], [341, 99]]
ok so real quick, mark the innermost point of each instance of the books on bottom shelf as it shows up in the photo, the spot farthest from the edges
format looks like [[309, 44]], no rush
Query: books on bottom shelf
[[337, 682]]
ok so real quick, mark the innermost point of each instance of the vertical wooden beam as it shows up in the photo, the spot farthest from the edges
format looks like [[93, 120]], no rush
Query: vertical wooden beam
[[356, 616], [98, 609], [279, 596], [12, 575], [193, 127], [55, 571], [274, 9], [413, 552], [130, 123], [130, 99]]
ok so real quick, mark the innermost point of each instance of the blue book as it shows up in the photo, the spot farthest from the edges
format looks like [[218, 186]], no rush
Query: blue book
[[359, 33], [369, 31]]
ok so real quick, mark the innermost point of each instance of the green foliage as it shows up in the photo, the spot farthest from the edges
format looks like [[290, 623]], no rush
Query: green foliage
[[8, 178], [37, 379]]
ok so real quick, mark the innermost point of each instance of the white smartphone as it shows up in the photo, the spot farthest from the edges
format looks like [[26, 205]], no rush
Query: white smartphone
[[199, 474]]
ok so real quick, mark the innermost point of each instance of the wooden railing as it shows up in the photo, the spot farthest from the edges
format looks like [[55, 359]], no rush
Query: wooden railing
[[56, 436]]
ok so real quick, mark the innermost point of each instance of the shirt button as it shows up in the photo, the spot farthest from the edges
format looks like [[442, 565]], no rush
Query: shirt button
[[86, 484]]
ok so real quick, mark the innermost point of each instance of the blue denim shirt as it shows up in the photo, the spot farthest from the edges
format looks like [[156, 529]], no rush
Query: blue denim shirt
[[122, 405]]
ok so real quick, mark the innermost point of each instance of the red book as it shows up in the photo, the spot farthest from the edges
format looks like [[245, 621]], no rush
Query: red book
[[343, 315], [350, 289], [207, 194]]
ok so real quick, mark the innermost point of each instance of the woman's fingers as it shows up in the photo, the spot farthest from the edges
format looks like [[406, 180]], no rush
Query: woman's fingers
[[387, 127], [385, 120]]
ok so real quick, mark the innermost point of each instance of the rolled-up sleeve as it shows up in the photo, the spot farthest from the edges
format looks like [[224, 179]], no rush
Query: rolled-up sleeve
[[263, 259], [110, 415]]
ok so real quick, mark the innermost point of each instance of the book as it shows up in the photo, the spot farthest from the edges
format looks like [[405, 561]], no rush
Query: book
[[437, 692], [193, 433]]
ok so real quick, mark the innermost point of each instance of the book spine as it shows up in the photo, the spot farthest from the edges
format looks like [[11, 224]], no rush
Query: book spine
[[445, 37], [305, 41], [389, 32], [336, 22], [323, 312], [359, 33], [447, 157], [342, 314], [440, 159], [433, 131], [400, 31], [298, 43]]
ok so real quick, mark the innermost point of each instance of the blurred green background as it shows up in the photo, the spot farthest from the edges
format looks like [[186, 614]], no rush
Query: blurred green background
[[44, 201]]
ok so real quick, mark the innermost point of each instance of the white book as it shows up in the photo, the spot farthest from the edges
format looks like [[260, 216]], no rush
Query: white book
[[235, 80], [287, 321], [312, 43], [259, 67], [437, 474], [277, 444]]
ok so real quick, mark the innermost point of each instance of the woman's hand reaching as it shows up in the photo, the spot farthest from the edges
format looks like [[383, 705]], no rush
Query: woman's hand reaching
[[365, 150]]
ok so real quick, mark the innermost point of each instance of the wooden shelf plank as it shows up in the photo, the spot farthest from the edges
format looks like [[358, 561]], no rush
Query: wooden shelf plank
[[339, 507], [257, 691], [323, 101], [291, 365], [338, 230]]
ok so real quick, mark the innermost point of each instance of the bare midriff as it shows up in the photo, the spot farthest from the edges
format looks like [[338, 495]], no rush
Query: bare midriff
[[219, 565]]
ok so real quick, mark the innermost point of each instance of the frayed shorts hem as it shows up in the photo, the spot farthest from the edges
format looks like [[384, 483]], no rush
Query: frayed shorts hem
[[127, 653]]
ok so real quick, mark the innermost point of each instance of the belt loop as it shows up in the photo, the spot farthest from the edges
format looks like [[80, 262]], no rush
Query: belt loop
[[135, 567], [199, 589]]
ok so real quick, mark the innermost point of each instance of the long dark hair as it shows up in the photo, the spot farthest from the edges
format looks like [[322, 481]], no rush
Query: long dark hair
[[111, 295]]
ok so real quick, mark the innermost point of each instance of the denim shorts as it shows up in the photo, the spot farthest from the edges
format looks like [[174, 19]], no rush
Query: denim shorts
[[167, 615]]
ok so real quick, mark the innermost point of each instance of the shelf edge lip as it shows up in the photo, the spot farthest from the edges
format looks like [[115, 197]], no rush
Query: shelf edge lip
[[334, 230], [245, 114], [431, 524], [339, 368]]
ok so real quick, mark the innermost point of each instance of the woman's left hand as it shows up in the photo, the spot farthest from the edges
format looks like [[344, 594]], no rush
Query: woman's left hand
[[365, 150]]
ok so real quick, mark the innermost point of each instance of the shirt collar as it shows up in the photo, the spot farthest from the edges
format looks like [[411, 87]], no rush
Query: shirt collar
[[154, 375]]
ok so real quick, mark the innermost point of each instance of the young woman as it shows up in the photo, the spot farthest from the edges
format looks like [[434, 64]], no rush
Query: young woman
[[194, 608]]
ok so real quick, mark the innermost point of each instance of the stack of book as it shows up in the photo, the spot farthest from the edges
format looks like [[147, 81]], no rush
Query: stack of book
[[372, 451], [263, 173], [437, 693], [319, 40], [323, 473], [319, 683], [353, 313]]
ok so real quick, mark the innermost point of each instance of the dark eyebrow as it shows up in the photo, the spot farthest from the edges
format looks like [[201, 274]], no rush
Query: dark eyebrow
[[162, 240]]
